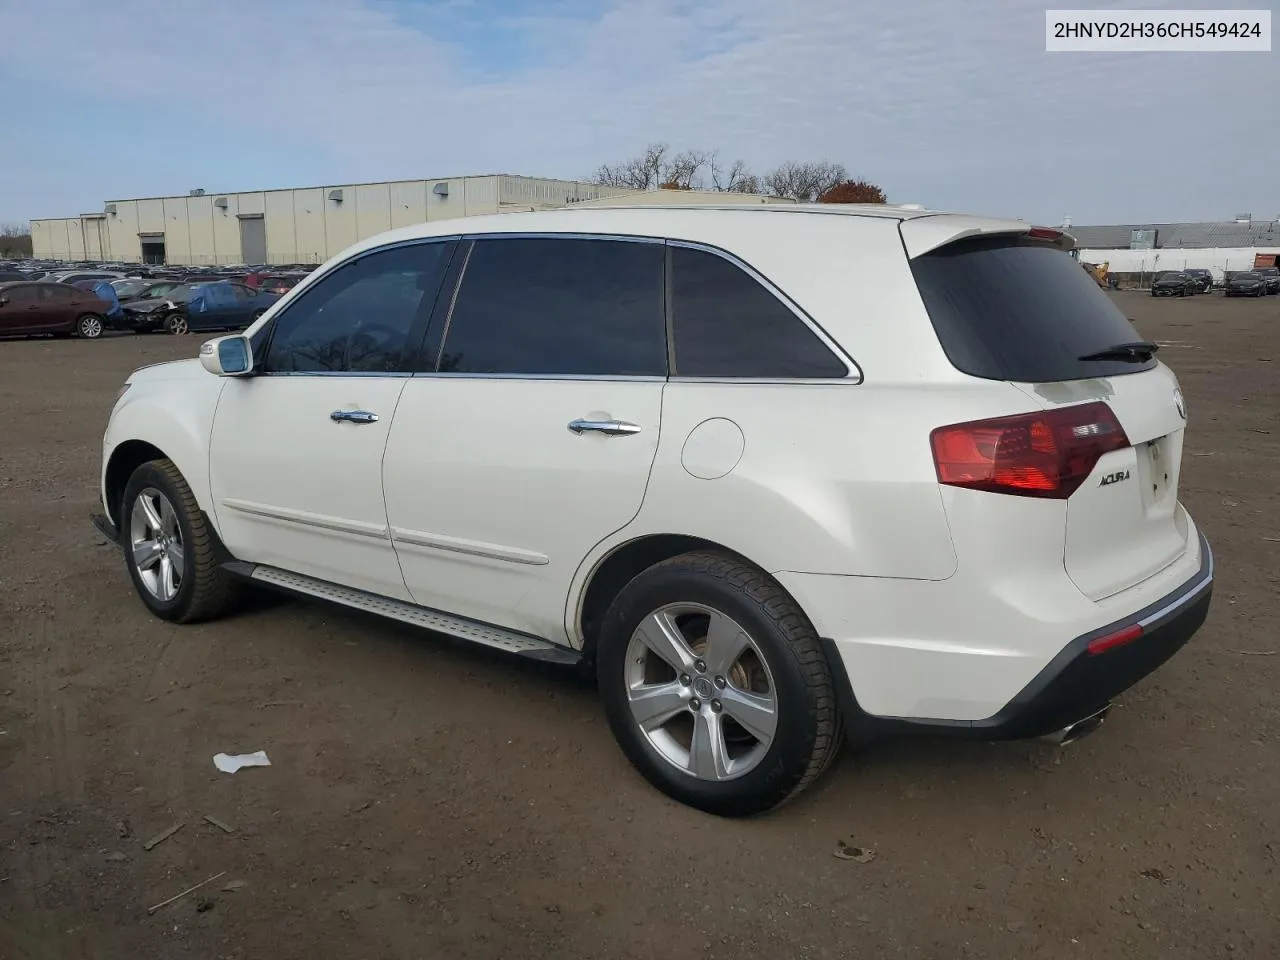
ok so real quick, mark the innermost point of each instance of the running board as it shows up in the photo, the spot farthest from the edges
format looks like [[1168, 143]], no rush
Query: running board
[[508, 641]]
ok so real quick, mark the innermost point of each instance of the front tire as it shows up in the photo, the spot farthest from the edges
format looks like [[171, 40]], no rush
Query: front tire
[[715, 685], [89, 326], [175, 324], [169, 548]]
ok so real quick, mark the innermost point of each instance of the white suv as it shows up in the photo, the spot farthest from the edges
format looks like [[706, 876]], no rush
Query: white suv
[[777, 475]]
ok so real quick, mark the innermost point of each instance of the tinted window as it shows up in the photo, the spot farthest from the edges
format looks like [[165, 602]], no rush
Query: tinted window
[[17, 295], [550, 306], [1009, 309], [57, 292], [359, 317], [727, 324]]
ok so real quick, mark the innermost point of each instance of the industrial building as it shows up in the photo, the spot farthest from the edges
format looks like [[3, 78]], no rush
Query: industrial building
[[1143, 249], [304, 225]]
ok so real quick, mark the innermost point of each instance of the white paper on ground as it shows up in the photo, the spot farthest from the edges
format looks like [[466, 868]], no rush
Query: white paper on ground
[[230, 764]]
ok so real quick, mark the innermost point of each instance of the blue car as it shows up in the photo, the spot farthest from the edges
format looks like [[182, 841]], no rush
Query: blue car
[[225, 305]]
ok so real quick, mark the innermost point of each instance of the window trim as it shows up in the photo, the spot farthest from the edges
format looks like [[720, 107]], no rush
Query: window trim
[[470, 239], [417, 332], [853, 371], [853, 376]]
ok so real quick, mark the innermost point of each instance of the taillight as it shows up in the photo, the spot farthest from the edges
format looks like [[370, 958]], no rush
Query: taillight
[[1046, 454]]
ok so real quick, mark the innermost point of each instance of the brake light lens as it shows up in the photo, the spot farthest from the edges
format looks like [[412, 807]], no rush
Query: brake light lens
[[1044, 233], [1047, 454]]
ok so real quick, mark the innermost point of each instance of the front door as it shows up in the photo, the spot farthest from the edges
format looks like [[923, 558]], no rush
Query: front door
[[296, 454], [534, 438]]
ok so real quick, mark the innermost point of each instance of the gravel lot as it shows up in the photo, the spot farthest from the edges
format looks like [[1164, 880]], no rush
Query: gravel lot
[[430, 800]]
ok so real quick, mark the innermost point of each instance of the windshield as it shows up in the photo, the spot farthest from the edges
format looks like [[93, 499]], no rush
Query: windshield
[[1010, 308], [1246, 276]]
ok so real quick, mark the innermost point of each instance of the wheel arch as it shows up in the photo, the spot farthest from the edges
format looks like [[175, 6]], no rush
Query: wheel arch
[[624, 561], [124, 460], [170, 420]]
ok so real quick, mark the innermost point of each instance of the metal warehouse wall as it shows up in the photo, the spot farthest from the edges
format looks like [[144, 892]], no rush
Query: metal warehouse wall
[[302, 225]]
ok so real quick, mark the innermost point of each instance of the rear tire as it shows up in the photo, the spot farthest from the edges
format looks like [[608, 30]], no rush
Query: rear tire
[[89, 326], [169, 548], [779, 684]]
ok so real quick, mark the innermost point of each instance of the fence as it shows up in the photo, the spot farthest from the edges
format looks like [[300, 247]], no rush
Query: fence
[[1137, 267]]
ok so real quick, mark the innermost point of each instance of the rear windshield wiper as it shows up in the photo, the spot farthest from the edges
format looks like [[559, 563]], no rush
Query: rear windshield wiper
[[1139, 351]]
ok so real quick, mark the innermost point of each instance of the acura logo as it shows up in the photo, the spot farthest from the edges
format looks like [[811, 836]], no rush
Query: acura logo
[[1178, 402]]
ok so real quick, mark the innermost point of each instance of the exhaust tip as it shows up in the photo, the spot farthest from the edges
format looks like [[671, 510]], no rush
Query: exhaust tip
[[1080, 729]]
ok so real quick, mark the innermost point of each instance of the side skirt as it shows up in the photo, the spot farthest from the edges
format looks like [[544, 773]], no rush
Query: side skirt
[[508, 641]]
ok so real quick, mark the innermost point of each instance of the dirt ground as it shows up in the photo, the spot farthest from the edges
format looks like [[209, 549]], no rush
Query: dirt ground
[[430, 800]]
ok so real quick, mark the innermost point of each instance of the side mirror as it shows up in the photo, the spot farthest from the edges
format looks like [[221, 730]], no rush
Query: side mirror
[[4, 301], [227, 356]]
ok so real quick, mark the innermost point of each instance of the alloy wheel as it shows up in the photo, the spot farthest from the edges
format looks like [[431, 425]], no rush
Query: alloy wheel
[[155, 543], [701, 692], [176, 324], [90, 327]]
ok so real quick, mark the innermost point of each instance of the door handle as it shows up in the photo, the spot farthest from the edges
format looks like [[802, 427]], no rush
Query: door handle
[[610, 428], [353, 416]]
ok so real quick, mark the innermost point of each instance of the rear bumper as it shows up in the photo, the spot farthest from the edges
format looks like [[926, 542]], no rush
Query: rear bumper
[[1075, 683]]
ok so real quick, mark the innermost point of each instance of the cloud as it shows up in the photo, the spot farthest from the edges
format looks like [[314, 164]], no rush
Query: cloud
[[946, 103]]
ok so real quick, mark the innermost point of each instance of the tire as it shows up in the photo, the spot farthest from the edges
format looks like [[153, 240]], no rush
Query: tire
[[781, 664], [183, 541], [89, 326], [175, 324]]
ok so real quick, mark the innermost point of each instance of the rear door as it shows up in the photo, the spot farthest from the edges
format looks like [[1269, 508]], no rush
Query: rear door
[[1019, 309], [533, 438], [61, 305]]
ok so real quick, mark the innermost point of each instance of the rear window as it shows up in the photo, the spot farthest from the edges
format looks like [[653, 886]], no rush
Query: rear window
[[1008, 308]]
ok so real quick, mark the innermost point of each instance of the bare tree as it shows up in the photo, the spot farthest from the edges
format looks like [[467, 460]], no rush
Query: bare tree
[[735, 178], [657, 168], [644, 172], [15, 240], [804, 181], [684, 170]]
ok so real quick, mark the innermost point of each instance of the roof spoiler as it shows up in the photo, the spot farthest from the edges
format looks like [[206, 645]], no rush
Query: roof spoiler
[[921, 235]]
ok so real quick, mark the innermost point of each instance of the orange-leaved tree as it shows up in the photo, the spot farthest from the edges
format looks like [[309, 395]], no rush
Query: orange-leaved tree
[[853, 191]]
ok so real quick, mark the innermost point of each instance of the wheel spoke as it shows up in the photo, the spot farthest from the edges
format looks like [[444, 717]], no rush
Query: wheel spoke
[[178, 558], [654, 704], [708, 757], [167, 585], [149, 511], [168, 516], [756, 714], [146, 554], [659, 633], [725, 643]]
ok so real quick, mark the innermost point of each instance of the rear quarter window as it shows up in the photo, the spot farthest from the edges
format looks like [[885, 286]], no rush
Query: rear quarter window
[[1008, 308]]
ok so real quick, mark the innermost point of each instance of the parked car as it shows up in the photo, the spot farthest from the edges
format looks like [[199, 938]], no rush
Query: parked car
[[1271, 276], [161, 306], [773, 475], [73, 275], [1203, 278], [1245, 283], [280, 283], [225, 306], [1174, 283], [36, 307], [152, 289]]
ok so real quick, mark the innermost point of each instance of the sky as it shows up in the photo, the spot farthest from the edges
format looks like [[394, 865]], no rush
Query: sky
[[950, 103]]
